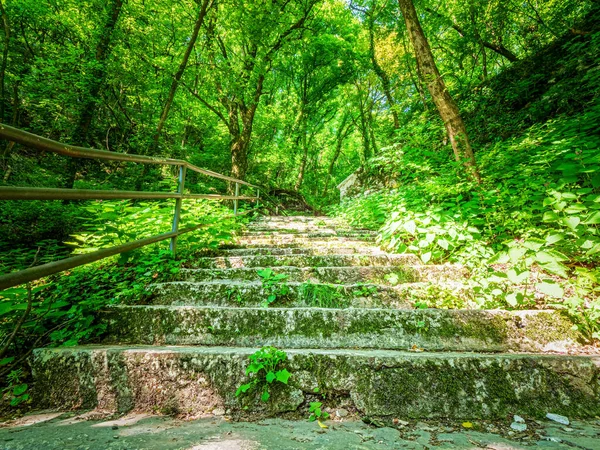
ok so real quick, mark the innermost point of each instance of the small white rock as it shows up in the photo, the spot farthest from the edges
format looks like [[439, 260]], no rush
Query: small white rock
[[218, 411], [518, 419], [341, 412], [558, 418], [518, 426]]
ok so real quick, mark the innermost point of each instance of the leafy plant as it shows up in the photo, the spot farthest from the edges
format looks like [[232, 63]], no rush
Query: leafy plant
[[316, 412], [265, 369], [273, 284], [16, 390]]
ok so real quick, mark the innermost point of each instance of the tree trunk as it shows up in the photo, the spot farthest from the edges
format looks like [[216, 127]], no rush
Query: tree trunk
[[96, 80], [383, 76], [6, 26], [342, 133], [175, 83], [457, 132]]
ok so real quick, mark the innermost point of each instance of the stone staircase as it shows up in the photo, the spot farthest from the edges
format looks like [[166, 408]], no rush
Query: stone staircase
[[352, 337]]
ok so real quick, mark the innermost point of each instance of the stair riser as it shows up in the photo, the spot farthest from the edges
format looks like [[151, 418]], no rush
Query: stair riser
[[282, 251], [379, 275], [196, 380], [252, 294], [305, 261], [431, 330], [307, 242]]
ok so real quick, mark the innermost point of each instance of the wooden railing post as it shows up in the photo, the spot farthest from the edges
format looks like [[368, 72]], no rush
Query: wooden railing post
[[235, 202], [177, 212]]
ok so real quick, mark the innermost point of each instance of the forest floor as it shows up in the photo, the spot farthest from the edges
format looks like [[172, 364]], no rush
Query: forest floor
[[54, 431]]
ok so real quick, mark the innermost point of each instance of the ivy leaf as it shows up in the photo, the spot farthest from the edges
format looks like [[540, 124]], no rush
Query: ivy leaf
[[283, 376], [265, 396], [270, 377]]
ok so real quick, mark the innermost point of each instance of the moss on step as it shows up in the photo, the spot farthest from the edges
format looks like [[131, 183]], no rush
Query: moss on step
[[378, 383], [341, 328]]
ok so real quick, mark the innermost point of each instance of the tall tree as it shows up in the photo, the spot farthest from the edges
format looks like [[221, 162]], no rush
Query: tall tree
[[381, 74], [94, 82], [239, 62], [6, 29], [455, 126], [204, 7]]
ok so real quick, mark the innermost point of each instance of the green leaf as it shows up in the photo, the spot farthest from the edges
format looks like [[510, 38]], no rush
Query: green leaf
[[516, 253], [425, 257], [572, 222], [283, 376], [550, 289], [20, 389], [443, 243], [554, 238], [243, 388], [265, 396], [5, 361], [270, 377], [410, 226], [593, 218], [550, 216]]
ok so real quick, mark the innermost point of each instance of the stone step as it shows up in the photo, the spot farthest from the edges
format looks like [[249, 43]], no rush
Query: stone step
[[249, 251], [303, 260], [394, 329], [253, 293], [303, 241], [196, 380], [356, 274], [320, 244], [266, 232]]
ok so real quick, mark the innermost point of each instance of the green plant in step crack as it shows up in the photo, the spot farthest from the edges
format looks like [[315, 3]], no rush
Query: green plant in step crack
[[364, 290], [323, 295], [235, 294], [273, 284], [16, 391], [316, 412], [265, 370]]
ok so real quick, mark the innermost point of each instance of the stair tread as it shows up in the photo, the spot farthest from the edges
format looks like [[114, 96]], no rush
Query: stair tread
[[363, 353]]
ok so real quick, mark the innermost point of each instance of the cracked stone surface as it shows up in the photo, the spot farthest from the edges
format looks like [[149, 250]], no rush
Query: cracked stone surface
[[144, 432]]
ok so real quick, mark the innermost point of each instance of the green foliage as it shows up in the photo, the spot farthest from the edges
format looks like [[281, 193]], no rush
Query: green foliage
[[15, 389], [265, 369], [529, 232], [323, 295], [273, 285], [65, 306], [316, 413]]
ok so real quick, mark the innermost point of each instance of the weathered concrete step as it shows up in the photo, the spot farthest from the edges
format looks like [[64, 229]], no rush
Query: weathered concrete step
[[355, 274], [196, 380], [316, 232], [295, 241], [321, 244], [249, 251], [252, 293], [428, 329], [303, 260]]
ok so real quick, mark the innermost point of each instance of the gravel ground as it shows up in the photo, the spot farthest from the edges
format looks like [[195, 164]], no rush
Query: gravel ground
[[50, 431]]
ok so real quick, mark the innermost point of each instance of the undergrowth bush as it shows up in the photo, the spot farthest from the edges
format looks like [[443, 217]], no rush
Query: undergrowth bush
[[61, 310], [529, 232]]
